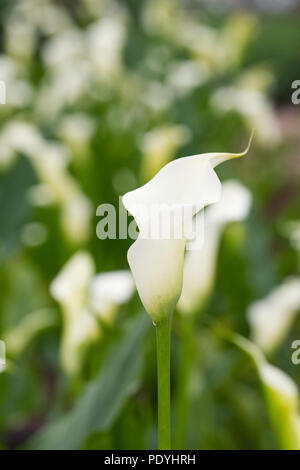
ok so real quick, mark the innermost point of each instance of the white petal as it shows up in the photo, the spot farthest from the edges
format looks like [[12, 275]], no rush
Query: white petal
[[270, 318], [157, 267], [199, 265], [281, 396], [233, 206], [156, 261], [109, 290], [70, 287], [198, 272]]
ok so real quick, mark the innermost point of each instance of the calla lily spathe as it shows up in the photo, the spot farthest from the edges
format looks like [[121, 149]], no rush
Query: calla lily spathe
[[156, 263], [270, 318], [199, 265], [84, 297], [280, 393], [108, 291], [70, 290]]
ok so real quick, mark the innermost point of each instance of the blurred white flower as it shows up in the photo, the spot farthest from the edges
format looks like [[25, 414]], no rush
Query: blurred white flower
[[64, 48], [20, 38], [187, 184], [76, 215], [50, 161], [156, 96], [281, 396], [70, 289], [185, 76], [19, 92], [271, 317], [64, 87], [46, 16], [292, 231], [254, 107], [84, 297], [200, 264], [108, 291], [106, 40], [159, 146], [76, 131]]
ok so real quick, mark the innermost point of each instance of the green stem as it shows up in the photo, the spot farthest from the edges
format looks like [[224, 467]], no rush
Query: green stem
[[163, 343], [184, 375]]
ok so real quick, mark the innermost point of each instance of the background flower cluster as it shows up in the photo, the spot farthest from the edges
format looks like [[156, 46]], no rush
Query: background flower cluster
[[100, 94]]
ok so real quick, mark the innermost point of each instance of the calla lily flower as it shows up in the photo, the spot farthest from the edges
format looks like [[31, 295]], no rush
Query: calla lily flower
[[159, 146], [83, 297], [280, 393], [200, 264], [271, 318], [187, 184], [70, 289], [50, 161], [108, 291]]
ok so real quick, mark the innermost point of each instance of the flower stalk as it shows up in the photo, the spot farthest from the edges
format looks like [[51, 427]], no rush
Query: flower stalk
[[163, 345]]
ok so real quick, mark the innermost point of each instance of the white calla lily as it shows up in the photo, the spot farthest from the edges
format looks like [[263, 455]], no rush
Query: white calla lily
[[280, 393], [159, 146], [70, 289], [186, 184], [271, 318], [108, 291], [164, 210], [199, 265], [84, 296]]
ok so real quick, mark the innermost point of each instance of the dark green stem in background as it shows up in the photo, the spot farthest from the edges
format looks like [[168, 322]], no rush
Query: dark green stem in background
[[184, 376], [163, 344]]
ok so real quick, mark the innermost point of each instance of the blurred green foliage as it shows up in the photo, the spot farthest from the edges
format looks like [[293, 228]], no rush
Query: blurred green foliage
[[150, 64]]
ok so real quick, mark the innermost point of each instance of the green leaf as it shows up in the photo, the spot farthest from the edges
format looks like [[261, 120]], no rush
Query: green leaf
[[103, 398], [14, 208]]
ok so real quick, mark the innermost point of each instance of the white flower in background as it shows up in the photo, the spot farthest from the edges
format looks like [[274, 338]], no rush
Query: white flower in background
[[156, 96], [63, 88], [280, 393], [70, 289], [44, 15], [95, 7], [271, 318], [108, 291], [64, 48], [254, 107], [292, 231], [106, 40], [186, 75], [19, 92], [50, 161], [20, 39], [187, 184], [84, 297], [159, 146], [76, 215], [76, 131], [200, 264], [2, 356], [18, 136]]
